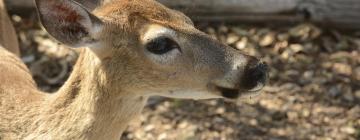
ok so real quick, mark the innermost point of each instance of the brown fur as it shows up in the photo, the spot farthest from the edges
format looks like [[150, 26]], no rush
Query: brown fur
[[108, 87], [8, 40]]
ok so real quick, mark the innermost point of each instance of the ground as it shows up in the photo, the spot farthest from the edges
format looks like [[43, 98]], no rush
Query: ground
[[313, 92]]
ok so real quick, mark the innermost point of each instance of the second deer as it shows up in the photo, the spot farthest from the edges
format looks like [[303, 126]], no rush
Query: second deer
[[130, 50]]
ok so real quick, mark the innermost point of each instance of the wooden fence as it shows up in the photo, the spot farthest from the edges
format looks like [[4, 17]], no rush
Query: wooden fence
[[343, 14]]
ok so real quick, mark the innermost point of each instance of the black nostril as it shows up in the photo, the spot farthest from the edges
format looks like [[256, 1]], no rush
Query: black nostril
[[259, 72], [254, 74]]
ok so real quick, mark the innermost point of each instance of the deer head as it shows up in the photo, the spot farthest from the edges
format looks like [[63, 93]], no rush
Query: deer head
[[142, 48]]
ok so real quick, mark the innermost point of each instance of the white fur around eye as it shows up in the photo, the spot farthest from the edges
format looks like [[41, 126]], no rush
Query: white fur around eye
[[155, 31], [166, 58]]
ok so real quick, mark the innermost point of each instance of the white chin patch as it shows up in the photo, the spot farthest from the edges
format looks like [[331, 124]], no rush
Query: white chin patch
[[191, 94]]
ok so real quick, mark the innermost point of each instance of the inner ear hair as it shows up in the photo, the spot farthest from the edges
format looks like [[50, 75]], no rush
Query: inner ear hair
[[68, 21]]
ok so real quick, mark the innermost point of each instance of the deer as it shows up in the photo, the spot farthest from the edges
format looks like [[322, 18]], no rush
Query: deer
[[10, 38], [129, 50]]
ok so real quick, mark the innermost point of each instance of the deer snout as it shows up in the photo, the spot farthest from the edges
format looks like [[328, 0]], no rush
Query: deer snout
[[254, 77], [249, 78]]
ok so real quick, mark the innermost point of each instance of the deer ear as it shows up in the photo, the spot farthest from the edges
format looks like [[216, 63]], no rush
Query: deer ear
[[90, 4], [68, 22]]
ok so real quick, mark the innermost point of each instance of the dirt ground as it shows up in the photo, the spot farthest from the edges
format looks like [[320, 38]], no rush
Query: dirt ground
[[313, 93]]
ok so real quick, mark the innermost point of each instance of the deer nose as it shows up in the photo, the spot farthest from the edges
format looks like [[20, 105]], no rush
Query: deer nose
[[255, 76]]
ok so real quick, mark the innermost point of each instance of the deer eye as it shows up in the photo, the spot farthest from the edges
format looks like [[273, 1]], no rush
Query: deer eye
[[161, 45]]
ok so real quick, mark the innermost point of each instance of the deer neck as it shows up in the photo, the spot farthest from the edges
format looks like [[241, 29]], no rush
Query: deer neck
[[88, 107]]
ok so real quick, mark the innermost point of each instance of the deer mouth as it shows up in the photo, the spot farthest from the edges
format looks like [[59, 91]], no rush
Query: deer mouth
[[230, 93]]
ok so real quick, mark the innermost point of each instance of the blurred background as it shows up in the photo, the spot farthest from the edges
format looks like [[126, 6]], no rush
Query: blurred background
[[312, 47]]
